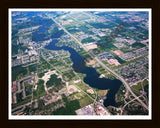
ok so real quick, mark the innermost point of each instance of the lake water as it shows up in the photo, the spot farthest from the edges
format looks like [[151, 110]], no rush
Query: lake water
[[92, 76]]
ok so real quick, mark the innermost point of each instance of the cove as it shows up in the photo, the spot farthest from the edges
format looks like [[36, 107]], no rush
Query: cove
[[92, 76]]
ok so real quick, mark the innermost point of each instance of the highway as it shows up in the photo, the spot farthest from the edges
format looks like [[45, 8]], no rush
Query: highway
[[103, 65], [131, 101]]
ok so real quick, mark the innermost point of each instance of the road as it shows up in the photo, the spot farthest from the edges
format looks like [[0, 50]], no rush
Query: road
[[103, 65], [19, 88], [124, 82], [130, 102], [23, 107]]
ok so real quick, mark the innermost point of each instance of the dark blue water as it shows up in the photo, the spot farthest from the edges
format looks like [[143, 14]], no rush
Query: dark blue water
[[92, 76], [41, 34]]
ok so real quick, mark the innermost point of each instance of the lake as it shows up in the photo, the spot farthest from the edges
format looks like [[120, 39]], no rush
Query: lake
[[92, 76]]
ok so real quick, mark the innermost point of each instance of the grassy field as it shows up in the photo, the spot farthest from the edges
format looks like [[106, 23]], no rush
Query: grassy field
[[102, 93], [85, 101], [137, 86]]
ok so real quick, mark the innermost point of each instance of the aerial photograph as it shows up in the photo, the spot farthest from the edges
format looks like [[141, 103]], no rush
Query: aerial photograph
[[79, 63]]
